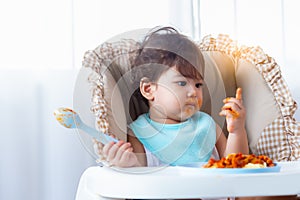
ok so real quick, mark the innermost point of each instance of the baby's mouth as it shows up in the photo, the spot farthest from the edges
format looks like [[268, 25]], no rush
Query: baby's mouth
[[190, 108], [191, 103]]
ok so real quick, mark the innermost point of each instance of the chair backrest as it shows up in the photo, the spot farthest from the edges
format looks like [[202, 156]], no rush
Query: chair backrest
[[271, 127]]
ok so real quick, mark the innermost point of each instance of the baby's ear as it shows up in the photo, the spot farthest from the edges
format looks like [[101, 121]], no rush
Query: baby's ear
[[147, 88]]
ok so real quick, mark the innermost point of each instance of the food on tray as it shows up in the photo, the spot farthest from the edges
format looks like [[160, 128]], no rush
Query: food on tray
[[239, 160]]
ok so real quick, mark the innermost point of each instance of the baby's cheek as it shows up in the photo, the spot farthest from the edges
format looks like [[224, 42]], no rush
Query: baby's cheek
[[173, 105], [199, 102]]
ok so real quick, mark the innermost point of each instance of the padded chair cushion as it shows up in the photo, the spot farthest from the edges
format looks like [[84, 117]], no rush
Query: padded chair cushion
[[110, 61], [259, 100], [220, 83], [281, 138], [270, 125]]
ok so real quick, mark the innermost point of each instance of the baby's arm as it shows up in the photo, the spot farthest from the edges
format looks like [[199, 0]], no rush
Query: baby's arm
[[221, 141], [138, 148], [235, 114]]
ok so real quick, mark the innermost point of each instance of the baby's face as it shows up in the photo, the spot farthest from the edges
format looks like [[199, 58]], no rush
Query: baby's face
[[176, 97]]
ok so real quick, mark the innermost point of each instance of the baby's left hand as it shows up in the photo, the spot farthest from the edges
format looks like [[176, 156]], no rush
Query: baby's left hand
[[235, 112]]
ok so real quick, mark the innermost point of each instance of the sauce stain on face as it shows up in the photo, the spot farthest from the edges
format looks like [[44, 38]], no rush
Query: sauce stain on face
[[188, 111], [199, 103], [194, 107]]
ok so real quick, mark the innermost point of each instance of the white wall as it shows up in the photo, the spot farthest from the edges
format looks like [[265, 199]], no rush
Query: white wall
[[39, 158], [41, 49], [271, 24]]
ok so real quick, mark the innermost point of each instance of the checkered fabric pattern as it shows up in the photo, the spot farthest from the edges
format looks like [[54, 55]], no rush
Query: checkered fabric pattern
[[99, 60], [280, 140]]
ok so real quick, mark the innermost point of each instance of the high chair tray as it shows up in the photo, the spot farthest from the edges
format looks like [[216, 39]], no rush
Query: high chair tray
[[185, 182]]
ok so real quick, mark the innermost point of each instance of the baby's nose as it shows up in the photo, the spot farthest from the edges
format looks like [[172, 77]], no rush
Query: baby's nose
[[191, 91]]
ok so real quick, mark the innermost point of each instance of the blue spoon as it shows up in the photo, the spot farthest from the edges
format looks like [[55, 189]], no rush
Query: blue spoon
[[70, 119]]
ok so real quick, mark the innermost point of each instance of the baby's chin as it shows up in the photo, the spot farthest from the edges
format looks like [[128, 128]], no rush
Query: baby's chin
[[186, 115], [189, 111]]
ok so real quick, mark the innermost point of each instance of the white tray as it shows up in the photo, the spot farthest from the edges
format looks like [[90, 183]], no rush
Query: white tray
[[186, 182]]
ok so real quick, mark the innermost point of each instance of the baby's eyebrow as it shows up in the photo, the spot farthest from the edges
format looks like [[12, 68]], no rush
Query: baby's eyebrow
[[179, 76]]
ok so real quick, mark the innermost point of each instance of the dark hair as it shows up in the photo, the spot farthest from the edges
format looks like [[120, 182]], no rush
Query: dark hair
[[165, 47], [162, 48]]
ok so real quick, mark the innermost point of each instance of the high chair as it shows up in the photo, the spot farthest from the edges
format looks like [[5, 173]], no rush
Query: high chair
[[104, 97]]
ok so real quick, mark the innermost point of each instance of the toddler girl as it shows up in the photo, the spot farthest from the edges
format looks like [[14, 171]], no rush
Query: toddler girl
[[170, 69]]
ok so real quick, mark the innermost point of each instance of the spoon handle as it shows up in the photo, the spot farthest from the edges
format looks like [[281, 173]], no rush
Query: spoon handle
[[100, 136]]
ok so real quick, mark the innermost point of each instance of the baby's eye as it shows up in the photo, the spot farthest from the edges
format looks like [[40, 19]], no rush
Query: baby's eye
[[181, 83], [198, 85]]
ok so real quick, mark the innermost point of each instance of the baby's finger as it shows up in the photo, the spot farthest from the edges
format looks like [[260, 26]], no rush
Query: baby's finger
[[122, 149], [113, 150], [126, 155], [107, 148], [230, 111], [99, 144], [238, 94], [232, 106], [222, 113], [237, 99], [233, 102], [229, 114], [96, 149]]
